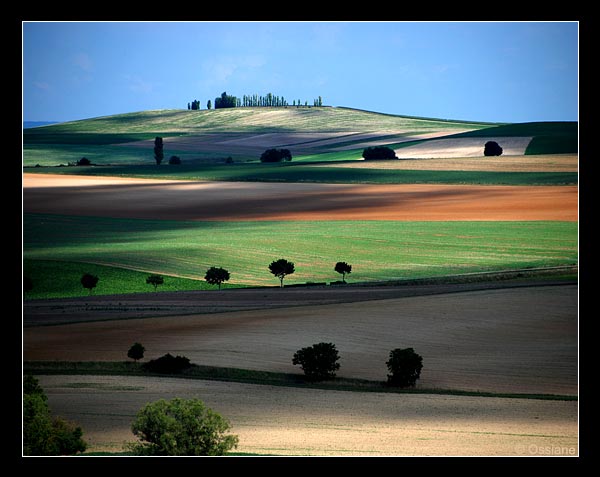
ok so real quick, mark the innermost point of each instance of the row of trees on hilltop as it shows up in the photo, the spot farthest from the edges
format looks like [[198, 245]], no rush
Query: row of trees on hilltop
[[269, 100]]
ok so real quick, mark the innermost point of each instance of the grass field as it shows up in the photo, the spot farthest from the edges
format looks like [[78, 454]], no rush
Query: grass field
[[59, 279], [316, 173], [378, 250]]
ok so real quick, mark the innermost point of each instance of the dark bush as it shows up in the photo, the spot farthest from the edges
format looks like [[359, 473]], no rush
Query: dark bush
[[492, 148], [174, 160], [229, 160], [405, 366], [378, 152], [89, 281], [276, 155], [168, 364], [319, 361], [84, 161]]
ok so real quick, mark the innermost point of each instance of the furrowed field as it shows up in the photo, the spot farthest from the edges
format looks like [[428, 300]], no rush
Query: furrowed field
[[471, 260]]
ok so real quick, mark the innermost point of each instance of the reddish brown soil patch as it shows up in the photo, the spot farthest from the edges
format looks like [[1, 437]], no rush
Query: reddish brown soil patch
[[183, 200]]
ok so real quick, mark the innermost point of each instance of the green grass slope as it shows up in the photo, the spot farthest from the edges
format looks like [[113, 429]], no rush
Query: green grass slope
[[61, 279], [135, 126], [377, 250]]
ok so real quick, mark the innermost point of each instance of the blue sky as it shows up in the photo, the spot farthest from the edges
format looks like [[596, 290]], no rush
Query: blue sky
[[499, 72]]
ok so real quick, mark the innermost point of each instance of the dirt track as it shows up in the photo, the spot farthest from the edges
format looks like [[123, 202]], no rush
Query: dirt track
[[291, 421], [511, 340], [181, 200]]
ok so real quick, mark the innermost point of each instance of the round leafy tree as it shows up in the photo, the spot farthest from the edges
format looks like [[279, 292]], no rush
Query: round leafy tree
[[44, 434], [405, 366], [492, 148], [89, 281], [378, 152], [84, 161], [181, 427], [276, 155], [136, 352], [174, 160], [280, 268], [343, 268], [319, 361], [155, 280], [216, 276]]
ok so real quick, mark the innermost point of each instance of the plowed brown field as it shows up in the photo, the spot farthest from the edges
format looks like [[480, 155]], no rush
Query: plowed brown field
[[508, 340], [183, 200]]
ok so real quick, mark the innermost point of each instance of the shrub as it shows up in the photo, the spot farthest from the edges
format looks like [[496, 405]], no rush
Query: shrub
[[405, 366], [492, 148], [89, 281], [319, 361], [168, 364], [155, 280], [378, 152], [174, 160], [44, 434], [181, 427], [84, 161], [136, 351], [276, 155]]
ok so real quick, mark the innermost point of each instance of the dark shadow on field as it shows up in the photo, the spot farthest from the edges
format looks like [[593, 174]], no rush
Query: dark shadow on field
[[220, 201]]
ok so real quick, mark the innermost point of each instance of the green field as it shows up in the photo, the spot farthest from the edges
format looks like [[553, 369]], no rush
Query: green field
[[59, 279], [303, 172], [101, 139], [377, 250]]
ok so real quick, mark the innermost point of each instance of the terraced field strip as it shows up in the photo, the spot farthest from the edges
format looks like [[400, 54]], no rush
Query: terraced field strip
[[254, 201], [519, 340], [541, 163], [290, 421]]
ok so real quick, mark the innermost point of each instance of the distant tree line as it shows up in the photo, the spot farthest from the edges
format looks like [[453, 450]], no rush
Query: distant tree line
[[269, 100]]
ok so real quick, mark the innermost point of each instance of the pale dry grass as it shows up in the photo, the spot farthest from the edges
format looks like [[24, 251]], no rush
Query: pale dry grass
[[463, 147], [292, 421], [541, 163]]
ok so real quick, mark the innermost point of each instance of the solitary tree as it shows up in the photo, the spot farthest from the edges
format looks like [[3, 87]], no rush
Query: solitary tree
[[136, 352], [492, 148], [280, 268], [343, 268], [158, 150], [181, 427], [155, 280], [319, 361], [216, 276], [405, 366], [89, 281], [209, 104]]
